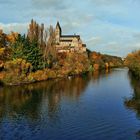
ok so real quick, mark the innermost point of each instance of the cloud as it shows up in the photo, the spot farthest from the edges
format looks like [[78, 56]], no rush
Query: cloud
[[94, 41], [6, 2], [119, 49], [135, 46], [136, 36], [16, 27], [113, 2], [105, 2], [53, 4], [99, 22]]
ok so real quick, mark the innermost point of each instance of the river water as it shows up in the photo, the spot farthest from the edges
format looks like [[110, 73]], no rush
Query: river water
[[99, 106]]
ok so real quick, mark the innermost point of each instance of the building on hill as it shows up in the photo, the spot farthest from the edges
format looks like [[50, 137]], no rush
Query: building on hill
[[68, 43]]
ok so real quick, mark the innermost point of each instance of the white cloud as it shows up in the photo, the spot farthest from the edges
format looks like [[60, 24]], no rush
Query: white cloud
[[94, 41], [99, 22], [16, 27]]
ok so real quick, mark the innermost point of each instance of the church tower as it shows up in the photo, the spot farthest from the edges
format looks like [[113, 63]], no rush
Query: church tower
[[57, 32]]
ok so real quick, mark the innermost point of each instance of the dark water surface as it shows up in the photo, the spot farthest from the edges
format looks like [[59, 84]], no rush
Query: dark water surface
[[94, 107]]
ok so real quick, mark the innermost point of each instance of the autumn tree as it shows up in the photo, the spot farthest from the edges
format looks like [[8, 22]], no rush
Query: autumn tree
[[5, 50], [38, 47], [12, 37], [49, 52], [3, 39], [132, 61], [25, 49], [35, 32], [45, 40]]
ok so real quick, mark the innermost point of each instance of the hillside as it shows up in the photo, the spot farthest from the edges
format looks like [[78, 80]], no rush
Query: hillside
[[103, 61]]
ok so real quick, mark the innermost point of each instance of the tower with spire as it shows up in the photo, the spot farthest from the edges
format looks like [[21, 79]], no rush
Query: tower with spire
[[57, 33], [68, 43]]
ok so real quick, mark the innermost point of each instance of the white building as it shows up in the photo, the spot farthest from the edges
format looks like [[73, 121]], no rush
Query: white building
[[68, 43]]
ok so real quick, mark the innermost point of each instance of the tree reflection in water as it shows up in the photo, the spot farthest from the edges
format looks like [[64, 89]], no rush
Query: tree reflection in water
[[29, 100], [35, 100], [134, 102]]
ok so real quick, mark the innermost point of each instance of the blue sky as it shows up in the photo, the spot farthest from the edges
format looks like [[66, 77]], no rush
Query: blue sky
[[106, 26]]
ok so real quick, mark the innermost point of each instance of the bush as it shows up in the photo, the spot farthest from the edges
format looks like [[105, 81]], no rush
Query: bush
[[39, 75], [133, 62], [16, 71]]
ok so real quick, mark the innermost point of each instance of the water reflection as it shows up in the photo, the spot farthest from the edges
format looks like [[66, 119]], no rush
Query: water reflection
[[134, 101], [88, 107], [30, 100], [27, 99]]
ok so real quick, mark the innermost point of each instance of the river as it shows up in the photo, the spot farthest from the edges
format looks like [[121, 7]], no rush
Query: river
[[99, 106]]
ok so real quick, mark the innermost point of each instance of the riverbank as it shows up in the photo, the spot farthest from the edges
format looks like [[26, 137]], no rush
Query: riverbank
[[19, 71], [132, 61]]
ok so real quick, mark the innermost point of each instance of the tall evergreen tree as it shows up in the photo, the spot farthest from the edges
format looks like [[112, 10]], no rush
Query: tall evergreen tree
[[28, 50]]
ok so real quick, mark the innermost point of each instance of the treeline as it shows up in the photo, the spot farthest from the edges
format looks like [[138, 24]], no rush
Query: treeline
[[102, 61], [23, 54], [132, 61], [37, 47], [33, 57]]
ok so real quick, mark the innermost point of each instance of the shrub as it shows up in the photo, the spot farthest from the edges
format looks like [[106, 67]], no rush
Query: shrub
[[133, 62], [16, 71], [39, 75]]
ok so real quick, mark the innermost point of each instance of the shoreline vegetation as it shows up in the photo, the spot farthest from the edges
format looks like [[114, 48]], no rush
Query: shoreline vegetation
[[33, 57], [132, 61]]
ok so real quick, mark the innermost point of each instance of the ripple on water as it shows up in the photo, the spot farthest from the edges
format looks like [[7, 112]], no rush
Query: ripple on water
[[83, 108]]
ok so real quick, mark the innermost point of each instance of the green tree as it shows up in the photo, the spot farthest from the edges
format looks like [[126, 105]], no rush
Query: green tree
[[28, 50]]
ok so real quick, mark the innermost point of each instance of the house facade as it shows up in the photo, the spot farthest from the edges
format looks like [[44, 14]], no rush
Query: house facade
[[68, 43]]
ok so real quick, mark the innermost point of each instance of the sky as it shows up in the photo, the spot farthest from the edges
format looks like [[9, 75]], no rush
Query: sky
[[106, 26]]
